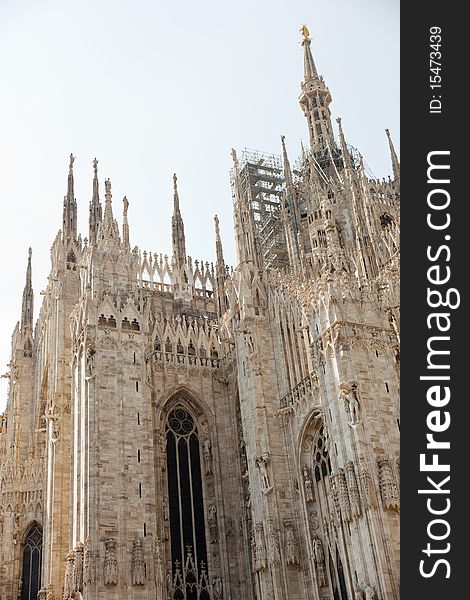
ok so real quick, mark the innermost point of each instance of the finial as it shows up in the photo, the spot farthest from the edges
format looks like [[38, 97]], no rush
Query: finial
[[395, 161], [305, 33], [175, 179], [235, 161], [126, 205], [216, 221], [107, 185], [72, 158], [30, 252], [95, 166]]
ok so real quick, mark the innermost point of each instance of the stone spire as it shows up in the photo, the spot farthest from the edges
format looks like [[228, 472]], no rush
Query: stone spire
[[69, 219], [28, 299], [290, 211], [287, 169], [344, 148], [315, 99], [220, 270], [109, 229], [125, 224], [218, 245], [177, 228], [96, 212], [310, 70], [393, 154]]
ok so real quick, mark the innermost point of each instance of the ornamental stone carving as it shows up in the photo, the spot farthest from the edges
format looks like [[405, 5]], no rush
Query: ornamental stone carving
[[88, 564], [388, 486], [138, 563], [110, 562], [292, 553]]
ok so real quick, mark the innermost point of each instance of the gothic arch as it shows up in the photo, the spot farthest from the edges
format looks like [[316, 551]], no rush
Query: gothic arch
[[186, 395], [319, 504], [31, 561], [190, 517]]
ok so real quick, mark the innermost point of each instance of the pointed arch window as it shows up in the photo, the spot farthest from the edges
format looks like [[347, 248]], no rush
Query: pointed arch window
[[186, 508], [321, 505], [32, 559]]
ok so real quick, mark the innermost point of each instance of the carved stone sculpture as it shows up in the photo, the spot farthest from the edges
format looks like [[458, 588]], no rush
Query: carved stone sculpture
[[68, 582], [138, 563], [309, 496], [110, 562], [353, 490], [212, 521], [260, 547], [217, 588], [88, 564], [207, 456], [50, 592], [261, 463], [367, 485], [291, 545], [319, 560], [273, 545], [388, 486], [343, 495], [78, 569], [349, 396]]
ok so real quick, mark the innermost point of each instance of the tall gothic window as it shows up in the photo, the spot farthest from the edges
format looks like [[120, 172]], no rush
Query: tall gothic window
[[186, 507], [32, 557], [320, 508]]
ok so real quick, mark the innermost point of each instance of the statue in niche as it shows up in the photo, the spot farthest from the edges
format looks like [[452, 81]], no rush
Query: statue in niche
[[250, 344], [16, 527], [217, 588], [319, 559], [158, 563], [169, 585], [207, 456], [138, 563], [309, 497], [261, 463], [166, 519], [88, 564], [349, 396], [110, 562], [292, 548], [212, 520], [90, 359], [260, 547], [273, 546]]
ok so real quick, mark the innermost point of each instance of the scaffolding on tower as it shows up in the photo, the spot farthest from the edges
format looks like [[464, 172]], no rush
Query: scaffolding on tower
[[262, 184]]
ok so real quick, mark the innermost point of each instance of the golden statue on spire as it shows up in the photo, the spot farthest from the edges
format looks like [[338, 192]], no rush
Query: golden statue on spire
[[305, 32]]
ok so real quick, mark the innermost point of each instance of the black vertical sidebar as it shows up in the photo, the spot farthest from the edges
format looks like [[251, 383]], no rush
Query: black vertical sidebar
[[435, 213]]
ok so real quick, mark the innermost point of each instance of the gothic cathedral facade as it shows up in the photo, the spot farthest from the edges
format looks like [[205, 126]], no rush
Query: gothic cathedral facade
[[179, 430]]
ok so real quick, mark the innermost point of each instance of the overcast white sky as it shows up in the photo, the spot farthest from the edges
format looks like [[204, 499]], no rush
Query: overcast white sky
[[154, 87]]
